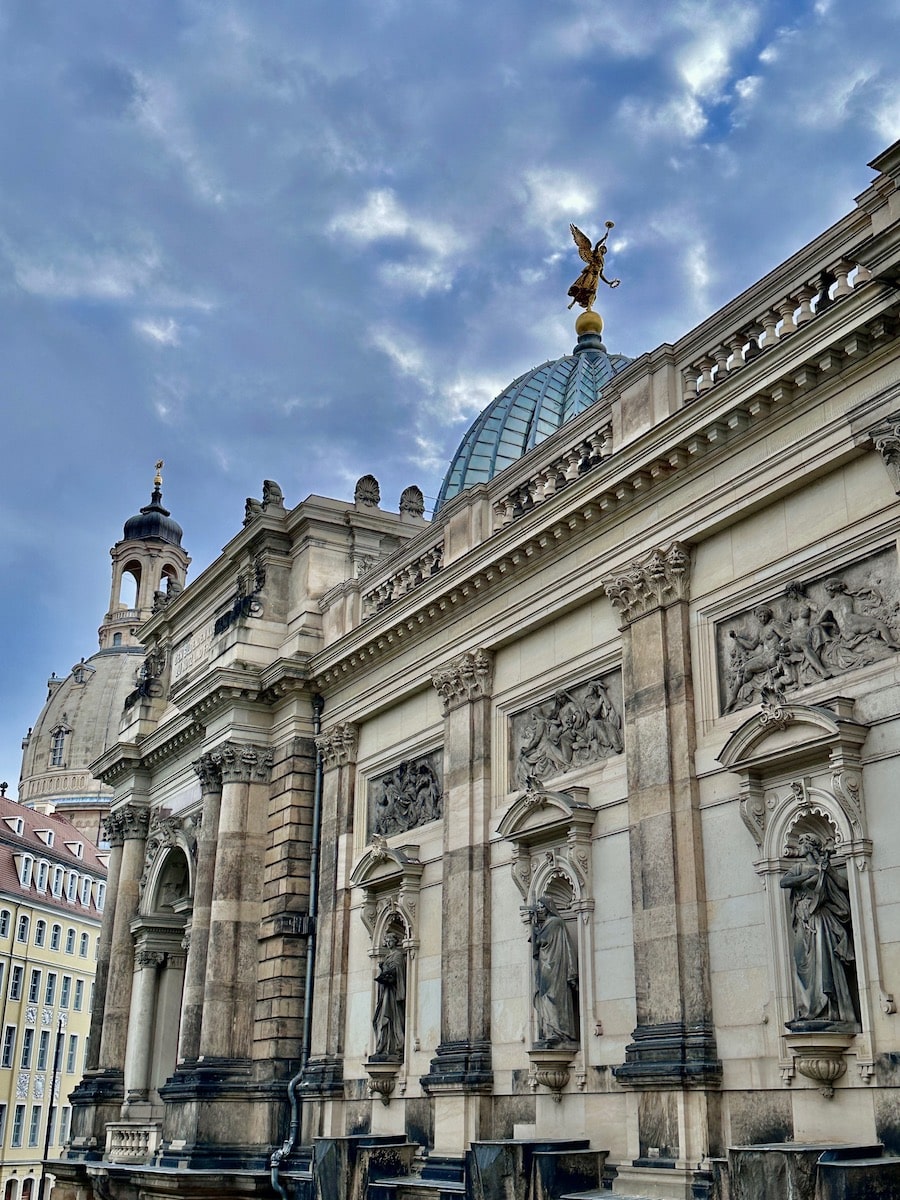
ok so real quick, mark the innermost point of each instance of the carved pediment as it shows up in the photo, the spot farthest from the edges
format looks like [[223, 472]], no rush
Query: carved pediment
[[537, 813], [791, 733], [386, 865], [551, 836]]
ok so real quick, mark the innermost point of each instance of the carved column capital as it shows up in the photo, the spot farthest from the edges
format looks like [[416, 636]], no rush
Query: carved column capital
[[134, 821], [885, 438], [209, 771], [338, 744], [114, 829], [469, 677], [242, 762], [658, 579], [148, 959]]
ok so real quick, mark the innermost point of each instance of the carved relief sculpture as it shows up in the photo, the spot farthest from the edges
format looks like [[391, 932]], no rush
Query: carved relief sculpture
[[555, 976], [824, 976], [575, 727], [812, 632], [409, 795], [389, 1021]]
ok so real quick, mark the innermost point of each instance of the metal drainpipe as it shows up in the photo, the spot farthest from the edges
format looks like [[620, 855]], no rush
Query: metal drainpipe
[[287, 1147]]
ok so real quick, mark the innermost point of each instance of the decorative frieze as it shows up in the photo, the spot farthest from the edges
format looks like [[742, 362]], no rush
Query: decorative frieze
[[469, 677], [660, 578], [338, 744], [572, 728], [812, 632], [243, 763], [409, 795]]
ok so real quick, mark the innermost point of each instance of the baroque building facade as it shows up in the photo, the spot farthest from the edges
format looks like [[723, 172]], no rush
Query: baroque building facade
[[548, 844]]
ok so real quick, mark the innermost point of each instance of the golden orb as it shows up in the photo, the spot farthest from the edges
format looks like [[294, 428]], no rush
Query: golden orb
[[589, 322]]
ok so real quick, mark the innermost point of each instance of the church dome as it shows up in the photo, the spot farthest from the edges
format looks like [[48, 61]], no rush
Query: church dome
[[533, 407], [153, 521]]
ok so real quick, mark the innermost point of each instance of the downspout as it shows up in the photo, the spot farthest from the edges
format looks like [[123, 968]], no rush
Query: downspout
[[287, 1147]]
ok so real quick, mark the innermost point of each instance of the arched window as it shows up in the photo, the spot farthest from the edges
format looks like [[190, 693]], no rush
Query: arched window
[[42, 872], [83, 943], [70, 941], [55, 937], [4, 923], [22, 929], [117, 639], [58, 747], [40, 933], [130, 585]]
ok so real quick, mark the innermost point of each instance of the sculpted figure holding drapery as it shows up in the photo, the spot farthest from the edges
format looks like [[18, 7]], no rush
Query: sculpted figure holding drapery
[[390, 1007], [555, 975]]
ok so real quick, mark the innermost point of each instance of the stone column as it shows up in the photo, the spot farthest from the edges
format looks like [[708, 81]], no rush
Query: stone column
[[134, 821], [323, 1074], [231, 968], [461, 1074], [209, 769], [113, 827], [673, 1059], [141, 1024]]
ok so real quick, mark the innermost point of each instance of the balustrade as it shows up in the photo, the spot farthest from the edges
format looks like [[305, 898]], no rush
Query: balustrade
[[407, 577]]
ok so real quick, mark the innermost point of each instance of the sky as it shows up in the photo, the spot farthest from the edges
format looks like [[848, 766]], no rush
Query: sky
[[307, 241]]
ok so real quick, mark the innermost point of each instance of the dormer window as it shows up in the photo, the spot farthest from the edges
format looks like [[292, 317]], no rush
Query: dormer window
[[86, 890], [46, 836], [76, 848], [58, 874], [16, 824], [42, 872], [72, 888], [24, 867]]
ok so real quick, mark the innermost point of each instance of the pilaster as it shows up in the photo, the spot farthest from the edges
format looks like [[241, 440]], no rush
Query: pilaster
[[461, 1066]]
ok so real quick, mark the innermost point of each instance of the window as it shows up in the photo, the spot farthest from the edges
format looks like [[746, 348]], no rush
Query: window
[[70, 941], [57, 748], [58, 874], [101, 898], [83, 942], [9, 1046], [72, 886], [117, 639], [15, 982], [86, 890], [50, 990], [64, 1125], [18, 1122], [22, 929], [40, 932], [34, 1125], [2, 1123], [4, 923], [79, 995], [27, 1049], [27, 866], [91, 1005], [34, 987], [72, 1054], [42, 872], [64, 991], [43, 1050], [55, 937], [51, 1122]]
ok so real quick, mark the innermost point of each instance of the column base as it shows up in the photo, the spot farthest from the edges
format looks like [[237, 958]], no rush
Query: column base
[[463, 1066], [323, 1078], [96, 1101], [671, 1055]]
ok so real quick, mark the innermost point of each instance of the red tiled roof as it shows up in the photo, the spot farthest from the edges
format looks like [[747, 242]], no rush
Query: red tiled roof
[[58, 854]]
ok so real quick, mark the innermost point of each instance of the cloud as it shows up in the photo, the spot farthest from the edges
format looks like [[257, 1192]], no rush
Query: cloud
[[161, 332], [74, 274]]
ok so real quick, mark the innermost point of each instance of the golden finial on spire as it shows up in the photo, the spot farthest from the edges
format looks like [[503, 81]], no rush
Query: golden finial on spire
[[157, 478], [584, 290]]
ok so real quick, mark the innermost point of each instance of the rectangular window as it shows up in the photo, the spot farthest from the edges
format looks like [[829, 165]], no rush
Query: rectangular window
[[73, 1053], [34, 987], [34, 1125], [50, 989], [64, 991], [17, 1125], [58, 874], [15, 982], [72, 886], [64, 1125], [86, 890], [27, 1048], [52, 1121], [2, 1123], [9, 1046], [79, 995], [43, 1049]]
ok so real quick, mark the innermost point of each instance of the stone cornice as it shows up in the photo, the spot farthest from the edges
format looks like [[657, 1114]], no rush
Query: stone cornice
[[467, 678], [653, 581], [283, 677], [338, 744]]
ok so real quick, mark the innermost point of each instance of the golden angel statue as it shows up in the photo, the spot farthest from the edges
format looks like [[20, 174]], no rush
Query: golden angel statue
[[584, 290]]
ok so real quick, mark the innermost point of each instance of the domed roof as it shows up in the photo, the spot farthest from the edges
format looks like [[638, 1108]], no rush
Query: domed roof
[[532, 408], [153, 521]]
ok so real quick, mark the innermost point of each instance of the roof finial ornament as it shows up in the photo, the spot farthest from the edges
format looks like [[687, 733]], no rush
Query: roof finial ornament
[[584, 290], [157, 478]]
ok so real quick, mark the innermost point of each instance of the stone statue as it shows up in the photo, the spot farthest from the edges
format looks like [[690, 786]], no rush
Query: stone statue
[[390, 1007], [584, 290], [823, 938], [555, 975]]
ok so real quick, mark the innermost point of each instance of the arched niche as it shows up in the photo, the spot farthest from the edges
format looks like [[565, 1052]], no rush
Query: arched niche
[[389, 879], [801, 775], [550, 834]]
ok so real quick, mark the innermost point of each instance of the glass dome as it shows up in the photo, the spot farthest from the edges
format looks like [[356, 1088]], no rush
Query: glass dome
[[532, 408]]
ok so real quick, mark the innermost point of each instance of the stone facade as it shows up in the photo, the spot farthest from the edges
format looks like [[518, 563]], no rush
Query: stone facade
[[500, 837]]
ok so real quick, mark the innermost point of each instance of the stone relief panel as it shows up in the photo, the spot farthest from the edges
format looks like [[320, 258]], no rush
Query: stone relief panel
[[814, 630], [574, 727], [409, 795]]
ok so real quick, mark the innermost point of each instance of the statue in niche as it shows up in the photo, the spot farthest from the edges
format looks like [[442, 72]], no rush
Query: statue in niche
[[574, 728], [389, 1021], [824, 970], [555, 976]]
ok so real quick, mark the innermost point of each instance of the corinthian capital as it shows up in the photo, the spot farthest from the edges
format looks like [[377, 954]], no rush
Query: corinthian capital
[[886, 440], [469, 677], [242, 763], [660, 578], [209, 771], [134, 821], [114, 828], [337, 745]]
